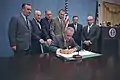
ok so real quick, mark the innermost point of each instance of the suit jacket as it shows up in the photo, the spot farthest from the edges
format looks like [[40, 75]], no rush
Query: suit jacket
[[19, 33], [58, 27], [78, 34], [47, 28], [37, 32], [93, 35], [59, 42]]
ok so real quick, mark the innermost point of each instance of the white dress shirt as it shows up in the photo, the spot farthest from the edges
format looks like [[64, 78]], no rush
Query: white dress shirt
[[38, 23], [26, 20], [75, 25], [89, 26]]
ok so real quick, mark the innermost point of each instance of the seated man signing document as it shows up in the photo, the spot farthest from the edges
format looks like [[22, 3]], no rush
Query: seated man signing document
[[65, 43]]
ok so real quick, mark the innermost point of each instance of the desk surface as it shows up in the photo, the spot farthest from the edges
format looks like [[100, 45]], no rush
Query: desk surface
[[51, 68]]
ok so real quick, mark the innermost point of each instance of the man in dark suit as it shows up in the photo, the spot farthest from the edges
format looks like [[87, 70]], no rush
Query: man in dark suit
[[90, 35], [37, 33], [20, 31], [64, 41], [47, 24], [78, 30], [59, 22]]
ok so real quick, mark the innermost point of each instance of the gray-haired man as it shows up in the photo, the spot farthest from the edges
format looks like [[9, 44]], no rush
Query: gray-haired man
[[65, 41], [37, 33]]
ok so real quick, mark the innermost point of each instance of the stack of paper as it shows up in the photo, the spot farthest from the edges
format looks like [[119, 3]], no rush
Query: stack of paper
[[83, 53], [66, 55]]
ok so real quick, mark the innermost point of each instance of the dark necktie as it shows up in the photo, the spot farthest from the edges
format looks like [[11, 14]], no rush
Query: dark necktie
[[65, 44], [75, 26], [38, 22], [27, 22]]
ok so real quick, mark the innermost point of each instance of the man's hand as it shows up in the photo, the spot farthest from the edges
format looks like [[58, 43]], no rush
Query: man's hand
[[41, 41], [90, 42], [64, 51], [47, 55], [71, 51], [49, 41], [87, 43], [14, 48], [42, 55], [68, 51]]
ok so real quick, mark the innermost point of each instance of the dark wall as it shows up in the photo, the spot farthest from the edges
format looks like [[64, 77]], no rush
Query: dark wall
[[8, 8]]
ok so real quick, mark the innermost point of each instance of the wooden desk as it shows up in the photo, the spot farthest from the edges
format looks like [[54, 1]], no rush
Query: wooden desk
[[51, 68]]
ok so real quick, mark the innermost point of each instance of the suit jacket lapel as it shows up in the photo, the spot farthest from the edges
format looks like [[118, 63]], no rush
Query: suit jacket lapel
[[62, 42], [59, 23], [91, 28], [78, 27], [72, 25], [48, 23], [75, 28], [58, 20], [27, 26], [86, 29], [37, 24], [23, 19]]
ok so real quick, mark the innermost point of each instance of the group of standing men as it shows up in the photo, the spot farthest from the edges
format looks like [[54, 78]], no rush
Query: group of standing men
[[31, 36]]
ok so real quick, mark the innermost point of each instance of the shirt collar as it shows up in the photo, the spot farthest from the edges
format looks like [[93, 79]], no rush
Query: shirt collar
[[60, 19], [35, 20], [75, 24], [65, 39], [90, 25]]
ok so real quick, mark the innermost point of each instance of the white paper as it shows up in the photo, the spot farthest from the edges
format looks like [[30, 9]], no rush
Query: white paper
[[82, 53], [65, 55]]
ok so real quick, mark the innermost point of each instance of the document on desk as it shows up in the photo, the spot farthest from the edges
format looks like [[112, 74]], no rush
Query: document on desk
[[83, 53], [88, 54], [65, 55]]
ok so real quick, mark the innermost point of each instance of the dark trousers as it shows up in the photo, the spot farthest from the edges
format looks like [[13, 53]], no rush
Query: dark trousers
[[20, 53], [37, 48]]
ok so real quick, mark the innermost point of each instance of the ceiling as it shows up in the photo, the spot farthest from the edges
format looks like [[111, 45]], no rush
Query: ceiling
[[113, 1]]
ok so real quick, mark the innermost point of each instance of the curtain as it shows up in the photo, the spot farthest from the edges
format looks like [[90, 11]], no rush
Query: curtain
[[111, 13]]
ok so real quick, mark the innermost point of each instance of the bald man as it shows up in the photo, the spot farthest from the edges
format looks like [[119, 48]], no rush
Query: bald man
[[37, 32], [90, 35]]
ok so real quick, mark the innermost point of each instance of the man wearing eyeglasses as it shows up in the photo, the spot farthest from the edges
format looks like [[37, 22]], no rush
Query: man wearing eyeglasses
[[90, 35], [64, 41]]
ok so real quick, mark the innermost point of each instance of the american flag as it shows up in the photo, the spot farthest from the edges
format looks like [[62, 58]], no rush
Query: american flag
[[66, 14], [96, 13]]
